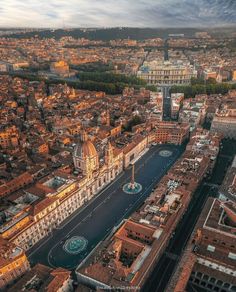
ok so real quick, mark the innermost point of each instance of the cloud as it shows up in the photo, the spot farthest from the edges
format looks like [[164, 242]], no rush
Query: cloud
[[100, 13]]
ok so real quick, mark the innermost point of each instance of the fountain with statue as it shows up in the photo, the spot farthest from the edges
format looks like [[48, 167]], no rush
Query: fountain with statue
[[132, 187]]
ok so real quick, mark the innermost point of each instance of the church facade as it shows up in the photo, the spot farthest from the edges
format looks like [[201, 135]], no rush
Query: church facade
[[96, 174]]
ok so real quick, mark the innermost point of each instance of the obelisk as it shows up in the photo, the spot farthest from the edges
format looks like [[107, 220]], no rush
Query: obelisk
[[132, 178]]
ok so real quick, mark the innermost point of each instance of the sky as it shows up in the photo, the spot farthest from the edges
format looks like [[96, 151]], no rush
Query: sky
[[113, 13]]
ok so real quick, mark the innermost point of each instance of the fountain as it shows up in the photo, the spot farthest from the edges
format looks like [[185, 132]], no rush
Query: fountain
[[75, 244], [132, 187]]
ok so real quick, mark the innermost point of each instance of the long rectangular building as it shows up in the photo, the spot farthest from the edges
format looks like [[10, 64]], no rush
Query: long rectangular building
[[166, 72]]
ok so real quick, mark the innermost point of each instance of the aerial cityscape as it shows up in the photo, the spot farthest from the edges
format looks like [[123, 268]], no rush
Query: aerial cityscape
[[118, 146]]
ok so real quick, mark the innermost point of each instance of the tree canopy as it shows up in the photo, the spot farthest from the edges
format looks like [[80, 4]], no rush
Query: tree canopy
[[208, 88]]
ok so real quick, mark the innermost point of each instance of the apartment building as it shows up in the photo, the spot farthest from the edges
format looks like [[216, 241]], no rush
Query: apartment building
[[208, 262], [13, 263]]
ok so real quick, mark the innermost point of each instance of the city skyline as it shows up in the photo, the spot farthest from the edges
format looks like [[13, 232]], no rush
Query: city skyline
[[118, 145], [109, 13]]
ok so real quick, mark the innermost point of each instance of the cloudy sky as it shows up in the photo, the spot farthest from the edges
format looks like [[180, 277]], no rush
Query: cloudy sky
[[100, 13]]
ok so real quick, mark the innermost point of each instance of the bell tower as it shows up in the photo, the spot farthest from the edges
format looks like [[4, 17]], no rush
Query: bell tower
[[109, 154]]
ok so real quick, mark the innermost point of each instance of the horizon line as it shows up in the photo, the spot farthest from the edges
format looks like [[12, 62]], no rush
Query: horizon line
[[121, 27]]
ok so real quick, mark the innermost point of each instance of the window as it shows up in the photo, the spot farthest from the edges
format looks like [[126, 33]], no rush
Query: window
[[232, 255], [203, 284], [211, 248], [205, 277], [199, 275]]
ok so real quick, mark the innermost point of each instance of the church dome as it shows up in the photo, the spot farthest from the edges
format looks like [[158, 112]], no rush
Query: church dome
[[85, 147]]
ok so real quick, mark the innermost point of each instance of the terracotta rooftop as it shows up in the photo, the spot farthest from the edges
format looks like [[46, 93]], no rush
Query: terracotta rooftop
[[215, 219], [40, 206], [8, 251], [41, 278]]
